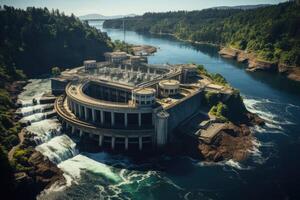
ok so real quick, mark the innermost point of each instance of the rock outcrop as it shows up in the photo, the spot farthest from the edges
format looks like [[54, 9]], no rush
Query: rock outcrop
[[45, 173], [232, 142], [228, 53], [42, 175], [255, 64]]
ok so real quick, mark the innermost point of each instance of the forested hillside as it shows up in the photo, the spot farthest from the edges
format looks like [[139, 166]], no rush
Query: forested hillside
[[37, 39], [272, 33], [33, 41]]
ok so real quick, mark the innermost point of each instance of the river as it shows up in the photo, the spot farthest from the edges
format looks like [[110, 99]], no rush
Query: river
[[271, 172]]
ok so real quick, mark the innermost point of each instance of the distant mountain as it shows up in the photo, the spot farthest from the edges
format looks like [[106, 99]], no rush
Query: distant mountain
[[242, 7], [98, 16]]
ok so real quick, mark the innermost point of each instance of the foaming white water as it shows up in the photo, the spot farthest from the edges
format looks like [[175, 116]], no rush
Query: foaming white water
[[231, 163], [45, 130], [73, 168], [34, 90], [58, 149], [256, 154], [264, 109], [33, 118], [29, 110]]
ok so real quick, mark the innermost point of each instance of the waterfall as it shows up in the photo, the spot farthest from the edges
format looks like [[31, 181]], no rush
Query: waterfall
[[44, 130], [29, 110], [58, 149]]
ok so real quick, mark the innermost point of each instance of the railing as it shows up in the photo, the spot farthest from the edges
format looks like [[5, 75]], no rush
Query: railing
[[62, 112]]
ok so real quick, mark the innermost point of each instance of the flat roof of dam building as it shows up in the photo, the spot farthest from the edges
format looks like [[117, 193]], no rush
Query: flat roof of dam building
[[121, 100]]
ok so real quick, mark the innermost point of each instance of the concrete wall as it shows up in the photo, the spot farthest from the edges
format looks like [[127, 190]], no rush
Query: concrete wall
[[58, 86], [182, 111]]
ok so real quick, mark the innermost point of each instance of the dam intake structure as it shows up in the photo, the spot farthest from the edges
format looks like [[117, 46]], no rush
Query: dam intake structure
[[125, 103]]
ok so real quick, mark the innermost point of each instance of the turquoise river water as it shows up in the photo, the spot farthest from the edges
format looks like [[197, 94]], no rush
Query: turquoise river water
[[271, 172]]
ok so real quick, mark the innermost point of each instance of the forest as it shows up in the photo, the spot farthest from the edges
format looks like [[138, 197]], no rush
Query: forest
[[32, 42], [36, 39], [272, 32]]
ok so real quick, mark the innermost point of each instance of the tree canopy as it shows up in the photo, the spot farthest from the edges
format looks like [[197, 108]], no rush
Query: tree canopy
[[272, 32], [36, 39]]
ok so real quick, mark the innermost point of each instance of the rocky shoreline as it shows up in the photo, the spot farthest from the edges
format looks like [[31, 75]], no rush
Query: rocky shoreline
[[144, 50], [232, 142], [40, 173], [255, 64]]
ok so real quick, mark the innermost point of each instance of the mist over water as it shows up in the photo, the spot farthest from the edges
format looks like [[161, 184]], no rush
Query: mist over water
[[271, 172]]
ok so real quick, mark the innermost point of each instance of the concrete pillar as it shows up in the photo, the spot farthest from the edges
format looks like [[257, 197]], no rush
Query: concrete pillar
[[112, 119], [73, 129], [109, 95], [125, 120], [100, 140], [126, 143], [94, 115], [113, 139], [75, 109], [140, 119], [117, 96], [80, 111], [102, 116], [140, 143], [67, 126], [148, 70], [86, 117], [80, 133]]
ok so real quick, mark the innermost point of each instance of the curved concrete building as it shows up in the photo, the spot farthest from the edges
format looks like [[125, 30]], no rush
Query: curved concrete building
[[137, 110]]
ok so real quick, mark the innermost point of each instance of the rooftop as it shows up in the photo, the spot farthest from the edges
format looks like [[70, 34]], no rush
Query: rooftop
[[145, 91], [169, 82]]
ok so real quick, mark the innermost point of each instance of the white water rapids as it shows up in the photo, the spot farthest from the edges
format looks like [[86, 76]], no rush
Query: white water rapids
[[110, 175]]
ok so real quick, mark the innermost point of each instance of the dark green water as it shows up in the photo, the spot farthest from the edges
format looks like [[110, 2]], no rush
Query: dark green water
[[271, 172]]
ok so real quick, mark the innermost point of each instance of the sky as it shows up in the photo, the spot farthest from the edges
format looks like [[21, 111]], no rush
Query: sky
[[122, 7]]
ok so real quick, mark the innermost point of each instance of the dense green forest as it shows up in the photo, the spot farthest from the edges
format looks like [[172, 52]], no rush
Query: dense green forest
[[36, 39], [272, 32], [32, 42]]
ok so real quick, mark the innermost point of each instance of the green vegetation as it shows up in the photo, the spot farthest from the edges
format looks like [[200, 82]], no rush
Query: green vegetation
[[6, 174], [272, 32], [36, 39], [224, 107], [122, 46], [220, 111], [20, 160], [55, 71], [216, 78], [231, 108]]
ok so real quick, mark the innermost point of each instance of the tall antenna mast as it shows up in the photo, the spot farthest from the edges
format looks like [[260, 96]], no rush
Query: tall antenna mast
[[124, 29]]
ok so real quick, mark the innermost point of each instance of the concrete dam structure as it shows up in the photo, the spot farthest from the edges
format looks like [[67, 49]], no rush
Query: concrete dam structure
[[124, 102]]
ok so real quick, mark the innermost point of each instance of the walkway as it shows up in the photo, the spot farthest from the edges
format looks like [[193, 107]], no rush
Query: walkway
[[12, 151]]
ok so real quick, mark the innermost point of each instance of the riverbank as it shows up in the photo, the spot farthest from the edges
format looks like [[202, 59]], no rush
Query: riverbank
[[256, 64], [183, 40], [230, 142], [33, 172]]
